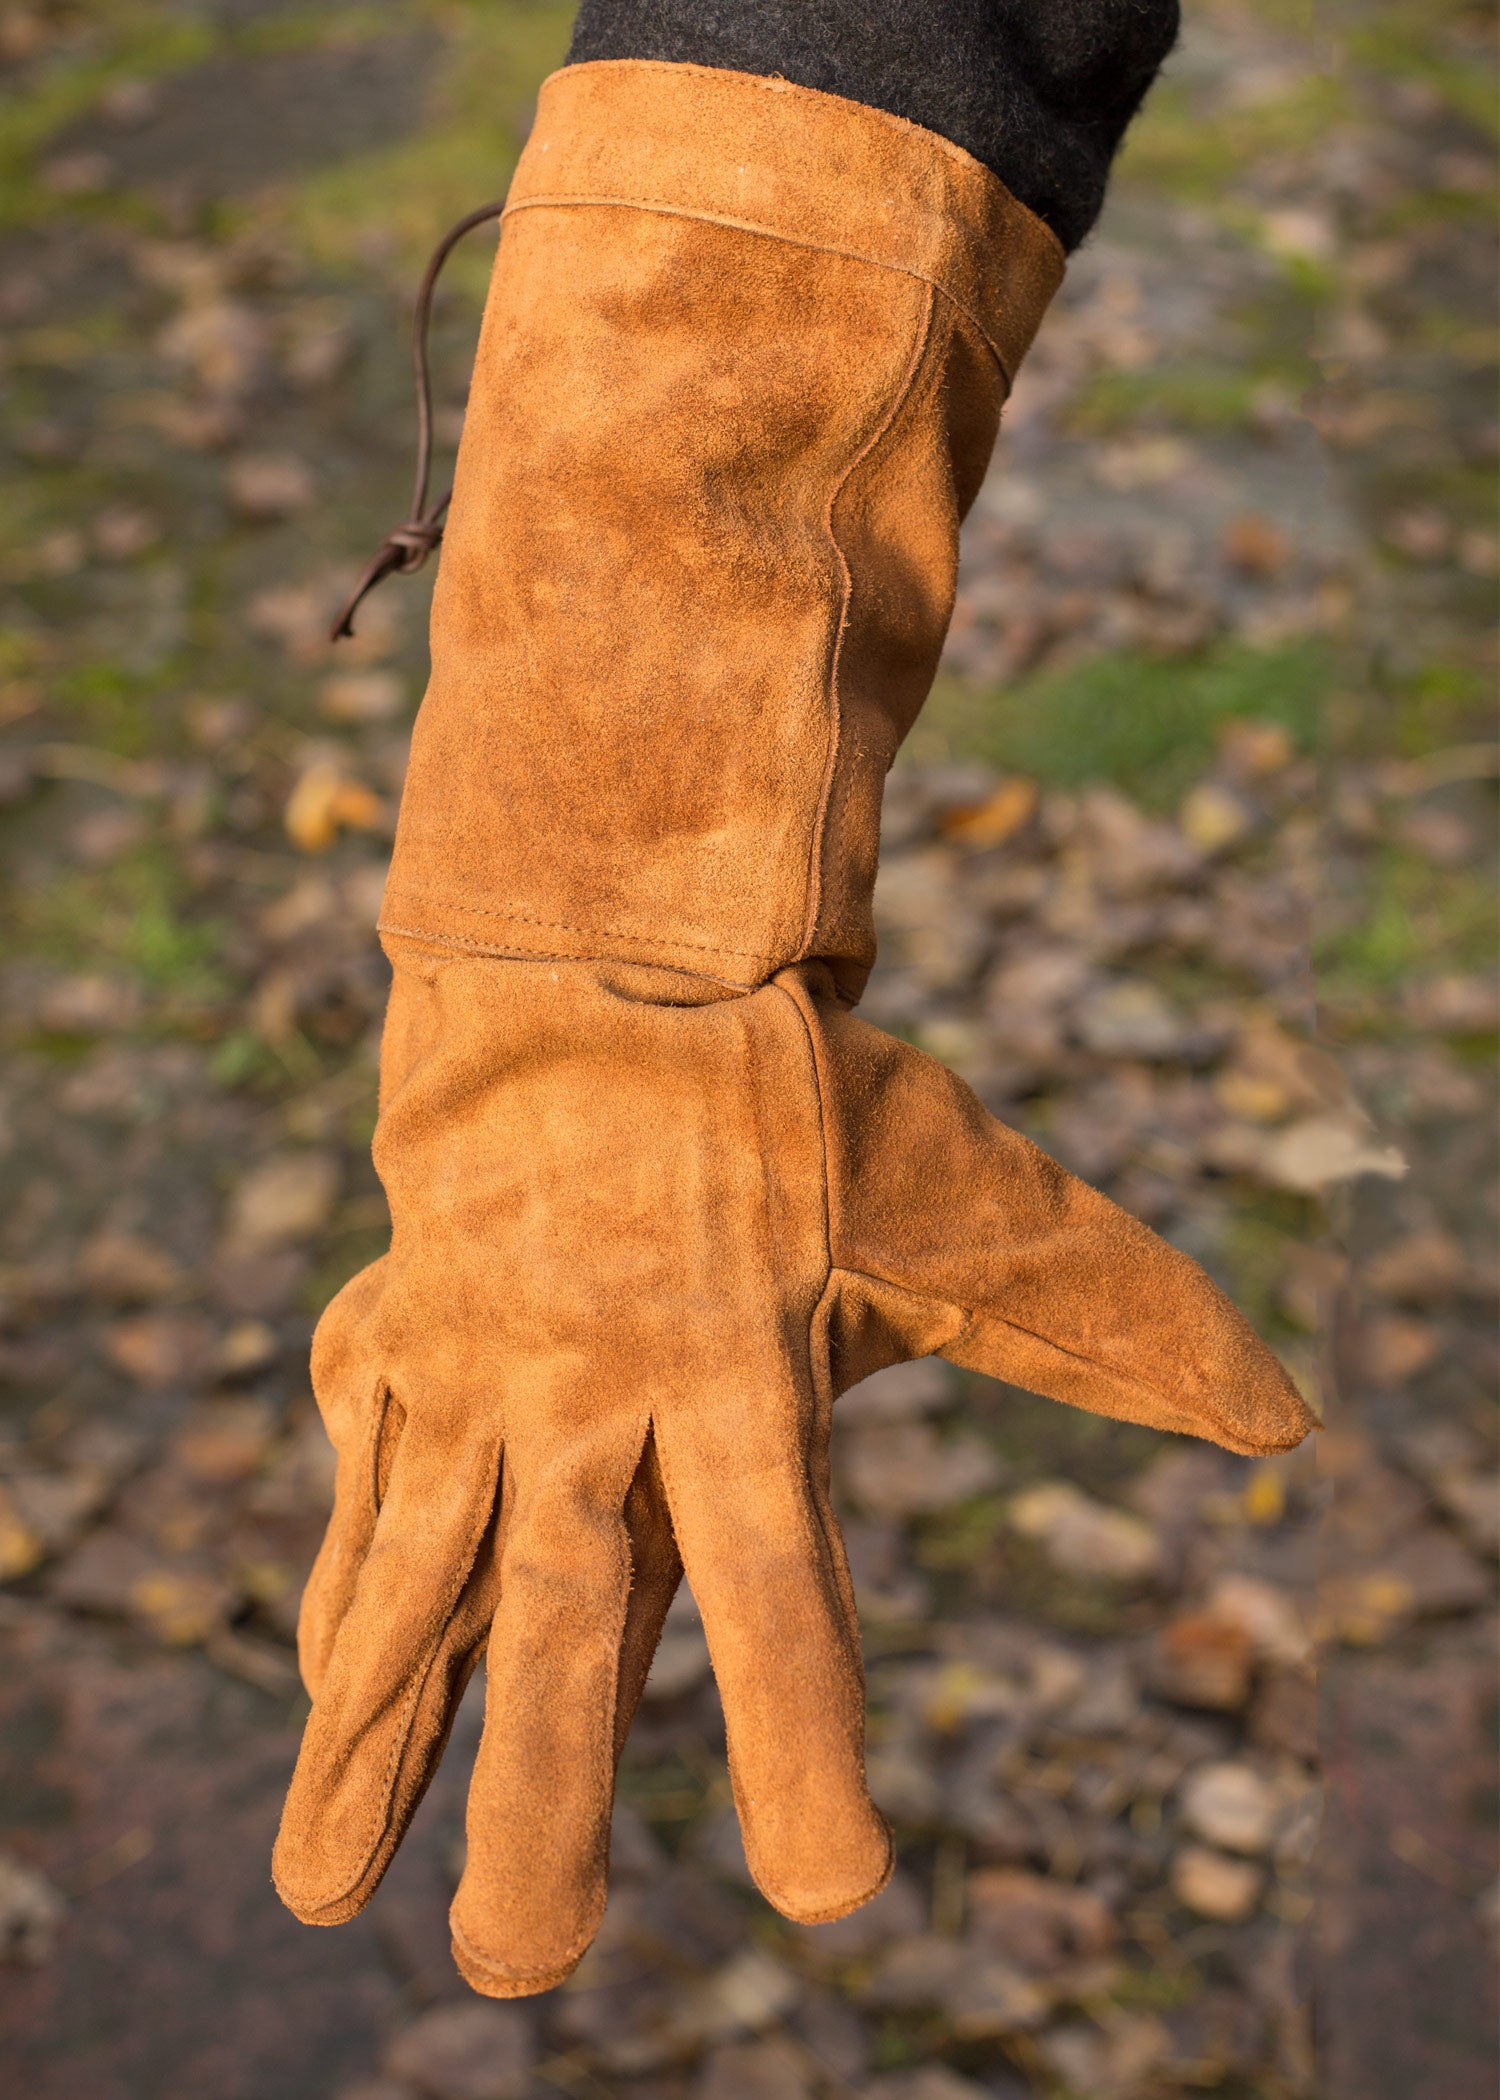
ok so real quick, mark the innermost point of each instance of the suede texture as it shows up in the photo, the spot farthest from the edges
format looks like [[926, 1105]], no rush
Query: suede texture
[[727, 413], [651, 1216]]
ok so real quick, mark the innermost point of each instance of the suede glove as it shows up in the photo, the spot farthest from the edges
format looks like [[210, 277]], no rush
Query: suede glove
[[657, 1195]]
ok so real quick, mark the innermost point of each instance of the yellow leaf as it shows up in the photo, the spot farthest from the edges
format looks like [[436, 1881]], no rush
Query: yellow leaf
[[325, 801], [20, 1547], [991, 822]]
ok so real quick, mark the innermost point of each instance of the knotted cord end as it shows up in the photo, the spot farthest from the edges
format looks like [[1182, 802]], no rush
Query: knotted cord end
[[401, 553]]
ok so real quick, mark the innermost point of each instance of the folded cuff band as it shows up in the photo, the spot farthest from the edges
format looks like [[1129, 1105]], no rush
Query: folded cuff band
[[863, 183]]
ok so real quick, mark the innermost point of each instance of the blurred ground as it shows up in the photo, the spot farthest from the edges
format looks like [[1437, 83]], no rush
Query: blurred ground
[[1184, 871]]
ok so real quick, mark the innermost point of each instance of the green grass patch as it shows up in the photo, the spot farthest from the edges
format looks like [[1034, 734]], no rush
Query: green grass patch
[[340, 1264], [321, 27], [114, 708], [1155, 1990], [1255, 1251], [1149, 724], [1188, 396], [1406, 43], [396, 204], [1446, 701], [963, 1537], [128, 916], [1418, 918], [127, 39], [1192, 149]]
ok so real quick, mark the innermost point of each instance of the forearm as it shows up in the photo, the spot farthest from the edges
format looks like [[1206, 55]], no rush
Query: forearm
[[1040, 91]]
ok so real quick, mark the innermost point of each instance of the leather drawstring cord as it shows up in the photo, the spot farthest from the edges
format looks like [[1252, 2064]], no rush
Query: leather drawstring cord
[[404, 550]]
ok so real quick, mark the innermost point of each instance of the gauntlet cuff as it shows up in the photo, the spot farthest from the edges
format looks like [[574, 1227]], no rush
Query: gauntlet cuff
[[730, 404]]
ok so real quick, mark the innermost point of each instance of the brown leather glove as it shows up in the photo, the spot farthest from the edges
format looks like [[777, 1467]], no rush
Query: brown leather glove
[[657, 1196]]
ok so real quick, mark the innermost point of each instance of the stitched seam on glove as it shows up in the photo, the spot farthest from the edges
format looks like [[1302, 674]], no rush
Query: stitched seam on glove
[[594, 933], [769, 233], [380, 1821], [872, 443]]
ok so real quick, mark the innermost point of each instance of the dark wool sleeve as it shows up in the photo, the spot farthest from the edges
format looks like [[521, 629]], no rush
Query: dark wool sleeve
[[1039, 90]]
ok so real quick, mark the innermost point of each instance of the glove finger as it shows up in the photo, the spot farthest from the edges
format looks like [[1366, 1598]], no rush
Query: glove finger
[[362, 1425], [954, 1234], [359, 1489], [656, 1570], [746, 1474], [396, 1670], [587, 1569]]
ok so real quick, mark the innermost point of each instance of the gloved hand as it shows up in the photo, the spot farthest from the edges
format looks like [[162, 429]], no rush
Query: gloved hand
[[657, 1195]]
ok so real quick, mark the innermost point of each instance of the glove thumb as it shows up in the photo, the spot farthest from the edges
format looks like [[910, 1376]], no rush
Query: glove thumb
[[952, 1235]]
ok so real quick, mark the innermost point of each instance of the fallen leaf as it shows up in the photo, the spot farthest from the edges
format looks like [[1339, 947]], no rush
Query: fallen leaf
[[224, 1440], [1085, 1537], [1438, 1575], [904, 1469], [180, 1608], [1041, 1926], [125, 1268], [1202, 1659], [750, 1992], [1271, 1618], [90, 1004], [21, 1546], [264, 486], [52, 1505], [248, 1346], [470, 2051], [1141, 462], [1112, 2061], [159, 1349], [1422, 1268], [1128, 1017], [768, 2070], [681, 1660], [97, 1577], [363, 696], [325, 801], [81, 174], [223, 343], [982, 1995], [284, 1200], [1214, 818], [1395, 1347], [318, 342], [121, 531], [1230, 1806], [1423, 533], [102, 836], [265, 1664], [1215, 1886], [1307, 1156], [928, 2082], [31, 1913], [1304, 231], [1452, 1005], [1473, 1501], [1364, 1608], [1251, 750], [1254, 544], [996, 818]]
